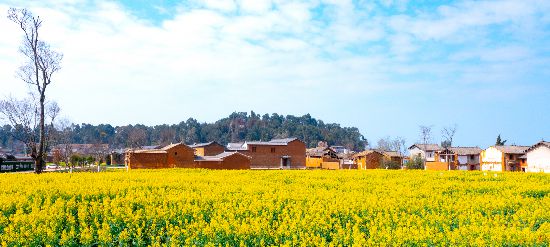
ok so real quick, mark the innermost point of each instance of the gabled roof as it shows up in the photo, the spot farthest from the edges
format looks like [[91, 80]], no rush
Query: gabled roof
[[198, 145], [320, 151], [236, 146], [512, 149], [274, 142], [367, 152], [466, 150], [541, 143], [427, 147], [284, 140], [392, 154], [219, 157]]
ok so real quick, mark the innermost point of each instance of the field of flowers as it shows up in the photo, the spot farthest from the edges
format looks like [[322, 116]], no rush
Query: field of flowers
[[255, 208]]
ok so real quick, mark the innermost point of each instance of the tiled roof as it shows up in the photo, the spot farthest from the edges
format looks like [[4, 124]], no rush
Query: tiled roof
[[367, 152], [235, 146], [172, 146], [392, 154], [466, 150], [512, 149], [284, 140], [219, 157], [427, 147], [198, 145], [318, 151], [541, 143]]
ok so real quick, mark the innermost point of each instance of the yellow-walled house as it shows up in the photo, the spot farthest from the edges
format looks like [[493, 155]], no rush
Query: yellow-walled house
[[368, 159], [503, 158], [431, 154], [322, 158]]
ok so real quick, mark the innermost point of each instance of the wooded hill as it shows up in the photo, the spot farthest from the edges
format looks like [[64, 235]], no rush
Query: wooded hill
[[238, 127]]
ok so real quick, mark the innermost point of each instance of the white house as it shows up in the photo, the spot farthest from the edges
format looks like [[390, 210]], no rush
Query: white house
[[538, 157], [425, 151]]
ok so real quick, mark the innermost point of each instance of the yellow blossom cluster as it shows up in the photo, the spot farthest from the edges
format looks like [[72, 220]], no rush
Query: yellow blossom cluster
[[176, 207]]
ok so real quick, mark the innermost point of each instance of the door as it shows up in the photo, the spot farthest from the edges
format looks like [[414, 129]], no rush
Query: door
[[285, 162]]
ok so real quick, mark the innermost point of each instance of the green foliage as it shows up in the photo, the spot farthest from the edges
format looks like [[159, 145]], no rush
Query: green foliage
[[416, 164], [389, 164], [500, 142], [237, 127]]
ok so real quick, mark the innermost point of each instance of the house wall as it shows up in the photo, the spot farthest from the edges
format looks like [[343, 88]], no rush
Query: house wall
[[436, 166], [414, 152], [233, 162], [331, 165], [263, 158], [314, 162], [210, 150], [369, 161], [180, 156], [538, 160], [147, 161], [492, 159]]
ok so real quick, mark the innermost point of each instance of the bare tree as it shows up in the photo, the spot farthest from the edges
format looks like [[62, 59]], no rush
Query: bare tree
[[63, 141], [23, 116], [425, 133], [137, 138], [426, 136], [399, 145], [448, 134], [385, 144], [41, 63]]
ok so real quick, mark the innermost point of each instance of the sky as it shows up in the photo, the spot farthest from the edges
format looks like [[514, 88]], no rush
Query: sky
[[383, 66]]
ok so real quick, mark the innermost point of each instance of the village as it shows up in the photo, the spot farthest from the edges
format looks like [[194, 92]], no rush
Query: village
[[291, 153]]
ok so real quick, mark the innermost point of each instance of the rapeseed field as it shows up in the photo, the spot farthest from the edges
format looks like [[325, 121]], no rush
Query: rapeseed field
[[261, 208]]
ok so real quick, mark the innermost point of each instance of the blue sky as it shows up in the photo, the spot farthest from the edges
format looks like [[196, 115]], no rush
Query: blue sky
[[384, 66]]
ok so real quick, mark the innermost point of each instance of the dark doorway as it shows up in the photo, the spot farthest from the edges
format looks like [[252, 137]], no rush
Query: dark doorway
[[285, 162]]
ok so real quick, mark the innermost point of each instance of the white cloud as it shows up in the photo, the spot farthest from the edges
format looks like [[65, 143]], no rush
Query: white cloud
[[272, 51]]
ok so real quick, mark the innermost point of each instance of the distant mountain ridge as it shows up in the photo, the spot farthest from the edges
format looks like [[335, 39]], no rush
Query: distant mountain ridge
[[237, 127]]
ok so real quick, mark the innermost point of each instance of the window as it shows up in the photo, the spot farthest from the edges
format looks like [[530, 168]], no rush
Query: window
[[273, 150], [176, 153], [511, 157], [471, 157], [253, 149]]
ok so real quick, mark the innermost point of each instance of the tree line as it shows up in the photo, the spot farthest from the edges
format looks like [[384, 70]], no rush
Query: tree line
[[237, 127]]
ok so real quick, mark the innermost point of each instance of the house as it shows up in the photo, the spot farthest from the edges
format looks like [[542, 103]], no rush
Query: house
[[538, 158], [224, 160], [461, 158], [173, 155], [322, 157], [208, 149], [503, 158], [393, 156], [429, 153], [340, 149], [369, 159], [288, 153]]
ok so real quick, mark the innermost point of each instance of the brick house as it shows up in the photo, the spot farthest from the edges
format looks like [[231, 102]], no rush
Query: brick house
[[174, 155], [208, 149], [368, 159], [224, 160], [288, 153]]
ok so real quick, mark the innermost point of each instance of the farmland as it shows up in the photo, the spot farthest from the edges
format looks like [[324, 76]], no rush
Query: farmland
[[205, 207]]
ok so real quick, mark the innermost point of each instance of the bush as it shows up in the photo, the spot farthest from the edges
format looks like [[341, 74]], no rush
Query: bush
[[388, 164], [416, 164]]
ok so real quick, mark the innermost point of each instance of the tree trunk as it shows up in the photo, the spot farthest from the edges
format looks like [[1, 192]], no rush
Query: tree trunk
[[39, 162]]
